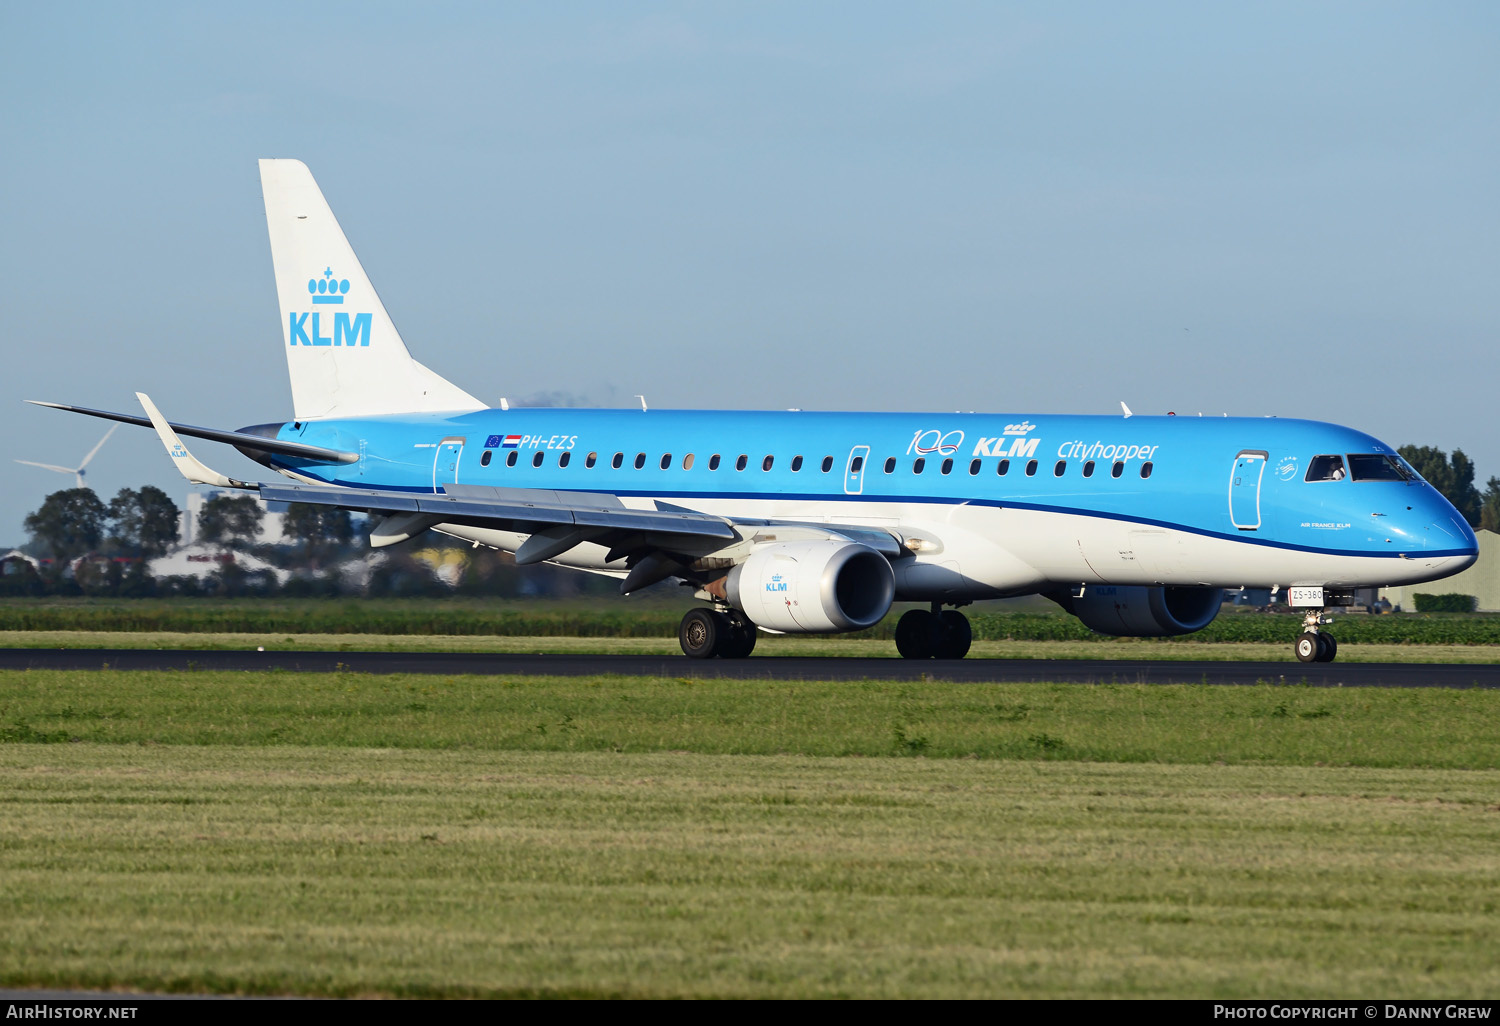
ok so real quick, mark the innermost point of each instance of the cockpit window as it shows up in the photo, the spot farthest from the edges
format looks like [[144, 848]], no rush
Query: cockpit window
[[1376, 467], [1325, 468]]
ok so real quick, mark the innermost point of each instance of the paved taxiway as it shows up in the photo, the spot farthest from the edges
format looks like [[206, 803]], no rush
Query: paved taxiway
[[976, 671]]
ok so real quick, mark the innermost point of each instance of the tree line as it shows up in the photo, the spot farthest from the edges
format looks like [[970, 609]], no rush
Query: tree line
[[89, 547], [144, 524]]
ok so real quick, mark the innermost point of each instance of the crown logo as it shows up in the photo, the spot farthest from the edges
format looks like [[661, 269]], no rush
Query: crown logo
[[1022, 428], [327, 289]]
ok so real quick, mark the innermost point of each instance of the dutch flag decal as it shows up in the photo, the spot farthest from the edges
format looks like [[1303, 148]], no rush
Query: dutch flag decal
[[511, 441]]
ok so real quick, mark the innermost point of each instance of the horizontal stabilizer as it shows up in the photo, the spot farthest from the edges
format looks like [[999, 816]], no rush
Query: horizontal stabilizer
[[237, 438]]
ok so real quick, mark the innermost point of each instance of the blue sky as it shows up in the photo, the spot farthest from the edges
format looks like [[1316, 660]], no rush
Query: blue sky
[[1258, 209]]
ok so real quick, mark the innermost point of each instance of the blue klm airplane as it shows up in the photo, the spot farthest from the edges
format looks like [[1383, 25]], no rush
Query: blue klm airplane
[[793, 522]]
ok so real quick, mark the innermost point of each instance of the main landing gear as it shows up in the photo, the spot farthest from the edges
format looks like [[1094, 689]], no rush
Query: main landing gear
[[935, 634], [705, 633], [1312, 645]]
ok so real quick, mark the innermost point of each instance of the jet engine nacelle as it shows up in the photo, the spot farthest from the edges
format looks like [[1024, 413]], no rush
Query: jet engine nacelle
[[1141, 612], [813, 587]]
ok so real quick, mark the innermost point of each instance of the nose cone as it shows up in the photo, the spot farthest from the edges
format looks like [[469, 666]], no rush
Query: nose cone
[[1469, 544], [1448, 536]]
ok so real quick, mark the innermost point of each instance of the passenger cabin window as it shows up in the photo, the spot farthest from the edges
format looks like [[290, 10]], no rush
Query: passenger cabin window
[[974, 466], [890, 464], [1117, 469], [856, 465], [827, 464], [666, 460], [796, 464], [1146, 470], [1325, 468], [765, 464], [1003, 467], [713, 462], [947, 467], [1376, 467], [640, 460], [742, 462], [918, 465], [590, 460], [1060, 469], [484, 460], [618, 461], [536, 461], [510, 458], [1030, 468], [564, 459], [1088, 469], [687, 462]]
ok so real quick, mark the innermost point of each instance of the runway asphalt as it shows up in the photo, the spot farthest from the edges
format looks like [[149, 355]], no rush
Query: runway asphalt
[[973, 671]]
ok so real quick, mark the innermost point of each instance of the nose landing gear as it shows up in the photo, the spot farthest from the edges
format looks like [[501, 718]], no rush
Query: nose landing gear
[[1312, 645]]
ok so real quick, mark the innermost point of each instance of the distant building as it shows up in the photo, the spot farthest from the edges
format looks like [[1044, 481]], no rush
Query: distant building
[[201, 561], [1482, 580], [271, 528], [17, 556]]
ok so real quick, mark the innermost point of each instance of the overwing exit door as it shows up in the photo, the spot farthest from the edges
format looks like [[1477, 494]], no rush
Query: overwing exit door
[[854, 472]]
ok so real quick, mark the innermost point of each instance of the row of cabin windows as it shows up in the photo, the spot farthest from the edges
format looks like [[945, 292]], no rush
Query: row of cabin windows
[[1003, 467], [592, 458], [856, 465]]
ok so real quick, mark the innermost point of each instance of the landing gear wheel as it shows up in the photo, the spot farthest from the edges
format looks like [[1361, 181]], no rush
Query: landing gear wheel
[[702, 633], [921, 634], [1330, 648], [914, 634], [957, 635], [739, 642], [1308, 647]]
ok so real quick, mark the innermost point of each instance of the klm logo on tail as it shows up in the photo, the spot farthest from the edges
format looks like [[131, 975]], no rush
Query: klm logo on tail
[[306, 329]]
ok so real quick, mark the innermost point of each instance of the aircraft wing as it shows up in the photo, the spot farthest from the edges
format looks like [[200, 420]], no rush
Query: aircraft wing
[[523, 510], [656, 543]]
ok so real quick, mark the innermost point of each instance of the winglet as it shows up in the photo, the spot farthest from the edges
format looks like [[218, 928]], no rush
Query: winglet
[[187, 463]]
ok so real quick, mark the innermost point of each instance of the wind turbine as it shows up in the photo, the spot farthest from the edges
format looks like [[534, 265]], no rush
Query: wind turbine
[[77, 471]]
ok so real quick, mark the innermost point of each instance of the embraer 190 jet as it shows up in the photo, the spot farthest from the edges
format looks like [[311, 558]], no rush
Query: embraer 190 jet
[[800, 522]]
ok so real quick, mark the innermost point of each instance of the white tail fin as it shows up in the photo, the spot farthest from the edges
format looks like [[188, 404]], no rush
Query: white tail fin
[[344, 354]]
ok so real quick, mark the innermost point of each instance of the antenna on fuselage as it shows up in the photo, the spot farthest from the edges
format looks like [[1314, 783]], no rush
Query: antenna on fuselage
[[643, 402], [1128, 414], [504, 403]]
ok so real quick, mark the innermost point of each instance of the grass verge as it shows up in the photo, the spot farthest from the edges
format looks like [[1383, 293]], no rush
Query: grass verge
[[656, 617], [1156, 649], [1267, 724]]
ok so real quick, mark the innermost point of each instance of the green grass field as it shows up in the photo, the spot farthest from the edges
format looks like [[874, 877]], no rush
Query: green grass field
[[494, 873], [390, 835]]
